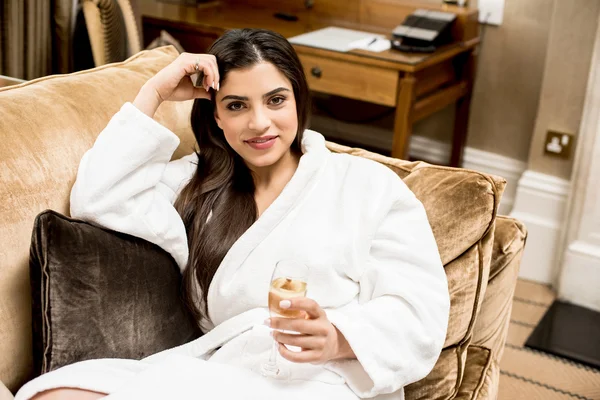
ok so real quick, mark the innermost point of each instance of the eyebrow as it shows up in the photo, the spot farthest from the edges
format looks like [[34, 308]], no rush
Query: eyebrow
[[244, 98]]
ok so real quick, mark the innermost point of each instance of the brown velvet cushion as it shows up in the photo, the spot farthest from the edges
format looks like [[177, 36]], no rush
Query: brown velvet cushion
[[101, 294]]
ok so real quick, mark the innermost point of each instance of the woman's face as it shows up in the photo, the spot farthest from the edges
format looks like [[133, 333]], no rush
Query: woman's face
[[256, 109]]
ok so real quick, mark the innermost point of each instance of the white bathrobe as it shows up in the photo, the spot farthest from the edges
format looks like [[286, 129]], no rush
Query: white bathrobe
[[374, 268]]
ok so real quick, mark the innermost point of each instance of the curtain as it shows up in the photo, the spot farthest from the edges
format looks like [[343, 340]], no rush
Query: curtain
[[35, 37]]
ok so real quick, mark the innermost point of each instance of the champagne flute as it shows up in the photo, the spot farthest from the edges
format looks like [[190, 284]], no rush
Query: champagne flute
[[289, 280]]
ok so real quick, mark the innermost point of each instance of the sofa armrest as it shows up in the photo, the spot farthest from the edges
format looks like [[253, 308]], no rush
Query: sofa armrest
[[492, 322], [480, 379], [482, 370]]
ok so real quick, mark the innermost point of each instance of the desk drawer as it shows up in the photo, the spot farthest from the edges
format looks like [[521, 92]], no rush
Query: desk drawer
[[361, 82]]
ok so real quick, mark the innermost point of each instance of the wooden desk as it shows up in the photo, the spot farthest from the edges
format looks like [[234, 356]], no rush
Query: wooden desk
[[416, 85]]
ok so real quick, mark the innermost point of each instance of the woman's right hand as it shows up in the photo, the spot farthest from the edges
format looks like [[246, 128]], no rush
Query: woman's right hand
[[173, 83]]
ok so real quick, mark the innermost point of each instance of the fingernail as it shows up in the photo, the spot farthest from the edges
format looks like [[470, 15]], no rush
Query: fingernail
[[218, 86], [268, 322], [213, 84], [285, 304]]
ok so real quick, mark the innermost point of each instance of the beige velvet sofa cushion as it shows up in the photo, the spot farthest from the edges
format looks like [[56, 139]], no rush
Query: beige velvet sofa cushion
[[492, 325], [478, 375], [46, 125]]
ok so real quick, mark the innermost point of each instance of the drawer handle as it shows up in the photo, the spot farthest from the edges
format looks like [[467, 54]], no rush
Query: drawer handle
[[316, 72]]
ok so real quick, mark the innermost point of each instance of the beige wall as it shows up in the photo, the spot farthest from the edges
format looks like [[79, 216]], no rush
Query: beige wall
[[509, 77], [571, 41], [508, 83]]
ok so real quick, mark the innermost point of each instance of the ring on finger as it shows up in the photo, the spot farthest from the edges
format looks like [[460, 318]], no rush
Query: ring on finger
[[197, 65]]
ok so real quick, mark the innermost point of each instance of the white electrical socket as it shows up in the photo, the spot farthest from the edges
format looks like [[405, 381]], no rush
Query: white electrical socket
[[491, 11], [558, 144], [554, 146]]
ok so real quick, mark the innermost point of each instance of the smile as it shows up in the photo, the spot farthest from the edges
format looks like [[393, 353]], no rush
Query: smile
[[262, 142], [259, 140], [262, 139]]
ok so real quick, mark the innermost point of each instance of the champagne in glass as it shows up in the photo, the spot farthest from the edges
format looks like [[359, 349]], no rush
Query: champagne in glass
[[285, 288], [289, 280]]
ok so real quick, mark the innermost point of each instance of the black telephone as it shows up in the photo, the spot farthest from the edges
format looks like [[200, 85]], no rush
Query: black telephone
[[423, 31]]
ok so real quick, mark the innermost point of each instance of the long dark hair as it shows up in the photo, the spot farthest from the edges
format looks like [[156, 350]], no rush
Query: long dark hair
[[222, 185]]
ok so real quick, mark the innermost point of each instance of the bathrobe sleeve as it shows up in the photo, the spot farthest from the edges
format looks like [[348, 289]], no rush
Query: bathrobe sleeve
[[398, 326], [127, 183]]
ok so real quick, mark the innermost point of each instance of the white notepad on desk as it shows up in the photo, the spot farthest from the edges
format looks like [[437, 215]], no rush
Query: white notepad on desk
[[341, 39]]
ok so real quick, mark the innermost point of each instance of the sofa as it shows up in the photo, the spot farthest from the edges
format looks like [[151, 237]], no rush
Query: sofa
[[47, 124]]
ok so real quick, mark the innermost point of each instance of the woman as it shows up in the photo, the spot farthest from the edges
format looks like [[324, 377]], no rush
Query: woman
[[261, 188]]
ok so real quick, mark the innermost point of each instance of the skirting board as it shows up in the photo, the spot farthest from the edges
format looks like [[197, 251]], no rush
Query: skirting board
[[475, 159], [580, 275], [541, 204], [433, 151]]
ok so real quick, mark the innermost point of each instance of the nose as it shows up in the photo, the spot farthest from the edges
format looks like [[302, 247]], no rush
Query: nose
[[259, 120]]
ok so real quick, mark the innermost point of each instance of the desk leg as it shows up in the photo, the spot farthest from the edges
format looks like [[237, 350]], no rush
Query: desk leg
[[461, 119], [403, 117]]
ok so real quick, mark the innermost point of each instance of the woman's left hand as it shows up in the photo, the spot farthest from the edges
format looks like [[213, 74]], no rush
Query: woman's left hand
[[319, 339]]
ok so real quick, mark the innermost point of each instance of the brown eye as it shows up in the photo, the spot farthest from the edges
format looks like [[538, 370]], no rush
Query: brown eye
[[277, 101], [236, 106]]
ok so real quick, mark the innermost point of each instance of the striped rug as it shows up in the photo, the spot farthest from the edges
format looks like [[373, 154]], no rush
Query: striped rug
[[528, 374]]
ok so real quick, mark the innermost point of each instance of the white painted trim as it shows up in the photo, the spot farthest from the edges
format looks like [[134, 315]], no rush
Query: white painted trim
[[586, 249], [433, 151], [545, 184], [505, 165], [540, 204], [581, 275], [479, 160], [579, 279]]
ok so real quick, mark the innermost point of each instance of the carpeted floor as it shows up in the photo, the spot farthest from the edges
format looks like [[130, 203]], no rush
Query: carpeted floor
[[527, 374]]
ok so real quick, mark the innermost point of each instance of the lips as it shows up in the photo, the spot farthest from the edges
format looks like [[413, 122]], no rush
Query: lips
[[260, 139], [261, 142]]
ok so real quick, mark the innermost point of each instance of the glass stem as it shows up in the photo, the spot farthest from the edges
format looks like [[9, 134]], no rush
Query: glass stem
[[273, 356], [270, 368]]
